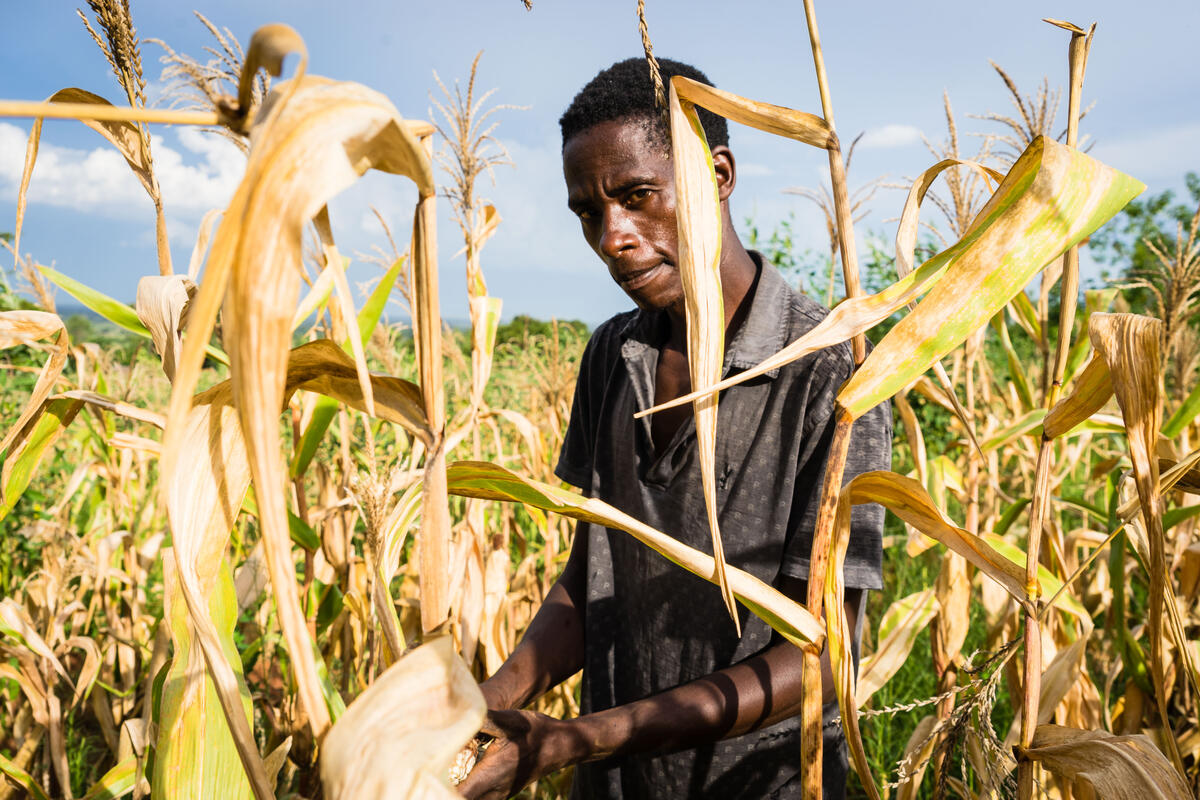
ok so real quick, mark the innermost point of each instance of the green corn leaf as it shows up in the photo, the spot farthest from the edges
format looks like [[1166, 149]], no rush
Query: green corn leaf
[[21, 778], [326, 408], [323, 413], [117, 782], [1178, 515], [372, 310], [1029, 423], [492, 482], [195, 755], [1050, 200], [1184, 414], [1050, 583], [112, 310], [1010, 516], [1015, 372], [302, 533], [1026, 315]]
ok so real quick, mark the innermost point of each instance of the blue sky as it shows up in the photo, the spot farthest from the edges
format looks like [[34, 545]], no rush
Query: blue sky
[[888, 64]]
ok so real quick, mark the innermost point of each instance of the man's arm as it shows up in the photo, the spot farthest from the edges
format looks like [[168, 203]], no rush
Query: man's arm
[[760, 691]]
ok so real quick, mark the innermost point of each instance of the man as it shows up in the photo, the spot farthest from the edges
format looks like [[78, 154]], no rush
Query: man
[[674, 703]]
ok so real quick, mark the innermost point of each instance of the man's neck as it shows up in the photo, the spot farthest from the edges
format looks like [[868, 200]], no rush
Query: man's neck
[[739, 275]]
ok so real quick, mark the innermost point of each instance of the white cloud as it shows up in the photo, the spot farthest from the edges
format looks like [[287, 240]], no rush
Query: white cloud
[[1158, 156], [201, 173], [891, 135]]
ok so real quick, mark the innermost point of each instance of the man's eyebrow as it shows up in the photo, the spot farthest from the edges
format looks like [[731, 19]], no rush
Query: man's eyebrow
[[636, 180]]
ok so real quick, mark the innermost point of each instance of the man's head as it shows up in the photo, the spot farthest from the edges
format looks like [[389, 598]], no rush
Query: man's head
[[625, 91], [620, 179]]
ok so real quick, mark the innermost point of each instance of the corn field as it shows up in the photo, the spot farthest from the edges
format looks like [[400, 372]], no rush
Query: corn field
[[268, 550]]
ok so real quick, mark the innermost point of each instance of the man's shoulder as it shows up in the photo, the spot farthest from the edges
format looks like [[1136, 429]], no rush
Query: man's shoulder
[[604, 345], [805, 313]]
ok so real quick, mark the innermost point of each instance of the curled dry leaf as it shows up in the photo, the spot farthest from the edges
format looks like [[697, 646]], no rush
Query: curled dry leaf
[[312, 138], [203, 501], [1114, 767], [698, 217], [1129, 345], [162, 306], [122, 134], [26, 328], [397, 740]]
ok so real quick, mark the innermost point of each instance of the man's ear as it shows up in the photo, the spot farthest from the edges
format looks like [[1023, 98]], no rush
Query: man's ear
[[726, 170]]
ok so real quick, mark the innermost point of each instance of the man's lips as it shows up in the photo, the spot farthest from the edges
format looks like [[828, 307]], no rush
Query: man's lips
[[636, 279]]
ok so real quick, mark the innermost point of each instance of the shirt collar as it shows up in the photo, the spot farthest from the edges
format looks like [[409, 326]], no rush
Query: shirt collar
[[763, 332]]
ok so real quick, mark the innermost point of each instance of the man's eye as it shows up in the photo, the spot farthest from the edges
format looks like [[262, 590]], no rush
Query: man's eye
[[584, 214], [636, 196]]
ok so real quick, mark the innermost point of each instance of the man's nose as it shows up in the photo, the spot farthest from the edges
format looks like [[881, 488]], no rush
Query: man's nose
[[617, 235]]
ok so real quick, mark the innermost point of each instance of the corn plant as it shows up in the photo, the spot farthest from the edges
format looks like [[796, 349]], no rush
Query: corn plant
[[167, 603]]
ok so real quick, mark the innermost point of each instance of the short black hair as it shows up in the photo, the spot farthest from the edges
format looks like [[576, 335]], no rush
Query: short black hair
[[625, 91]]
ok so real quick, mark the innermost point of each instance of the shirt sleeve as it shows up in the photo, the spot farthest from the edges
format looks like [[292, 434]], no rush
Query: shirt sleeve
[[870, 449], [575, 459]]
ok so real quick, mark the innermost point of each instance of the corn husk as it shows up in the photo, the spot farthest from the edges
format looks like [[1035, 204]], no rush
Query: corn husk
[[398, 739]]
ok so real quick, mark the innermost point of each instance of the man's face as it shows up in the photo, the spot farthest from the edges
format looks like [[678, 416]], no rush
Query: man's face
[[621, 186]]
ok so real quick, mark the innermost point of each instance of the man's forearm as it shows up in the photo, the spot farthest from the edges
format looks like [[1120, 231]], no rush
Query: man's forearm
[[753, 694]]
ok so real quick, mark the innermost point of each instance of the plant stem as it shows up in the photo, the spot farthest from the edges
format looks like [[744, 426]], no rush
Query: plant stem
[[1026, 770]]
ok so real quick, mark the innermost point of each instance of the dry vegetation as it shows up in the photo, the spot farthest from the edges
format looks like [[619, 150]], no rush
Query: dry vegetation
[[210, 594]]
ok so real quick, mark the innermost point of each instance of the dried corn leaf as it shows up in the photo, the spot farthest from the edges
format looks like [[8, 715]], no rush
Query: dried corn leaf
[[200, 248], [117, 407], [840, 635], [485, 312], [26, 328], [311, 139], [345, 303], [1089, 394], [1129, 345], [906, 246], [398, 739], [909, 501], [16, 626], [781, 121], [492, 482], [1051, 199], [698, 217], [1114, 767], [125, 136], [162, 306]]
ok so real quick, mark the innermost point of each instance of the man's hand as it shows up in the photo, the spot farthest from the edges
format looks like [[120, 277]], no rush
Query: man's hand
[[527, 746]]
